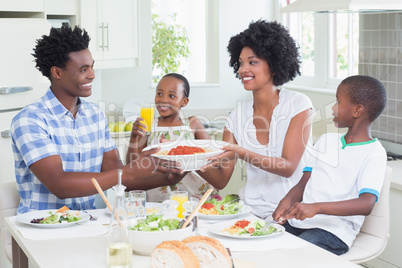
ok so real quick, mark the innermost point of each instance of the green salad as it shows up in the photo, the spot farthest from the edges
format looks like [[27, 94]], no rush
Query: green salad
[[156, 223], [230, 204], [58, 217], [250, 228]]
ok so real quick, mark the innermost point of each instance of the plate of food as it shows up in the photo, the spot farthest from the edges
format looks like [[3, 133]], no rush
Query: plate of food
[[191, 154], [226, 208], [53, 218], [246, 229]]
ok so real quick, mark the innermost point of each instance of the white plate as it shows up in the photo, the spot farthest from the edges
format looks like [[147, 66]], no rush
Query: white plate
[[243, 211], [26, 218], [193, 161], [218, 228]]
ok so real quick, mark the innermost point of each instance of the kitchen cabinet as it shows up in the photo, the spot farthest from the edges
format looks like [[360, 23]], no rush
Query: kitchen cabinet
[[113, 28], [7, 172], [21, 83], [23, 5], [122, 140]]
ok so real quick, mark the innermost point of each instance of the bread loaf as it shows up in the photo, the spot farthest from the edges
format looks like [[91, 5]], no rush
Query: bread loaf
[[174, 254], [209, 251]]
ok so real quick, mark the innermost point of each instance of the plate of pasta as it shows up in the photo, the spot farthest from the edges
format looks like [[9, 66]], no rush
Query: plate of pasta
[[246, 229], [208, 214], [191, 154]]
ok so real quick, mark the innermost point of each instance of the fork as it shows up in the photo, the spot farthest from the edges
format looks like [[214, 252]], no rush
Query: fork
[[91, 218]]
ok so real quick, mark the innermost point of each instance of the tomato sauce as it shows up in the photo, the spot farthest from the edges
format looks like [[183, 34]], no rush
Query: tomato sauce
[[208, 206], [242, 223], [183, 150]]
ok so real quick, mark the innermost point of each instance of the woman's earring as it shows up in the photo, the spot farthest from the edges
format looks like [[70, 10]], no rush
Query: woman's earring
[[238, 75]]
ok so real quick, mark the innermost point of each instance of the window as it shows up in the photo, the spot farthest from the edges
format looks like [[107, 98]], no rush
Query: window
[[329, 44], [199, 18]]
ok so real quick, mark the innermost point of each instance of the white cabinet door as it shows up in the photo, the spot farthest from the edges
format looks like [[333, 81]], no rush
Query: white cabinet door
[[23, 5], [20, 83], [113, 28], [120, 18], [7, 172]]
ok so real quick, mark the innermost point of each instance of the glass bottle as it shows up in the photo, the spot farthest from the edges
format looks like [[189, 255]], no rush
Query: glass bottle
[[119, 251]]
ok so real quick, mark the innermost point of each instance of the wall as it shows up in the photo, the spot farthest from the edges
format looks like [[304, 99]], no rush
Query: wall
[[381, 57], [119, 85]]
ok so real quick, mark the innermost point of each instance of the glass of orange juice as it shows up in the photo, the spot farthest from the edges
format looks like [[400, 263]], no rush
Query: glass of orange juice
[[148, 112], [181, 197]]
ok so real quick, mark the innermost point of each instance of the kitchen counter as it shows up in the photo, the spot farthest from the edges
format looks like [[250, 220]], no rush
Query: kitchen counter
[[396, 181]]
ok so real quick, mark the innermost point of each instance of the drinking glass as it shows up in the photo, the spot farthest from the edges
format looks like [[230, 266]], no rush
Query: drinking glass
[[147, 112], [180, 197], [136, 206], [170, 209], [189, 207]]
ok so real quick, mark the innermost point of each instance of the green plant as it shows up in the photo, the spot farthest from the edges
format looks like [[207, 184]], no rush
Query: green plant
[[169, 45]]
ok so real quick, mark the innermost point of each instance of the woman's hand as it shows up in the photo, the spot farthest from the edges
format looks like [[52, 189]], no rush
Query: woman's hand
[[231, 152]]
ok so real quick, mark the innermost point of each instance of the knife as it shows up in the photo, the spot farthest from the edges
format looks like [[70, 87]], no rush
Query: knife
[[230, 254]]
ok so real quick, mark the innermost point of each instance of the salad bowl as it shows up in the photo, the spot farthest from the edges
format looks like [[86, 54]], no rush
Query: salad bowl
[[144, 242]]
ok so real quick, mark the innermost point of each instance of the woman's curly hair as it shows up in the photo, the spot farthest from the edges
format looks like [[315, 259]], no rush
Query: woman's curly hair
[[54, 49], [269, 41]]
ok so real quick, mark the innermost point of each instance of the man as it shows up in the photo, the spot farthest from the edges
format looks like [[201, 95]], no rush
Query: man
[[60, 142]]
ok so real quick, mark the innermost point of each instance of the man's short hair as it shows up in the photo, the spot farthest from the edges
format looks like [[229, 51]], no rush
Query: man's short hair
[[54, 49]]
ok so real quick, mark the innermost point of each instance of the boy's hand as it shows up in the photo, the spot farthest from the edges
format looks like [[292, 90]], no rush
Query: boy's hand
[[138, 127], [280, 211], [301, 211]]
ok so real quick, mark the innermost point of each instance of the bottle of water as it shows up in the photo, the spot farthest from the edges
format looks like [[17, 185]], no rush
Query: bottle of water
[[119, 251]]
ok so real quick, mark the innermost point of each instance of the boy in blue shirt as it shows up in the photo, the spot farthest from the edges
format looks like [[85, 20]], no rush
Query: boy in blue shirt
[[344, 175]]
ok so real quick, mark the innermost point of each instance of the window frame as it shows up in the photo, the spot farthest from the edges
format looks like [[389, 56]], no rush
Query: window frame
[[324, 37]]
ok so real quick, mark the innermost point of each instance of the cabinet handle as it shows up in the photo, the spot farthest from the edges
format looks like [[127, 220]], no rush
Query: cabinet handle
[[6, 134], [107, 39], [13, 90], [102, 46]]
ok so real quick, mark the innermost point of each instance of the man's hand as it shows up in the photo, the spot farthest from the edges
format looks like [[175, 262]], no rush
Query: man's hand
[[144, 165]]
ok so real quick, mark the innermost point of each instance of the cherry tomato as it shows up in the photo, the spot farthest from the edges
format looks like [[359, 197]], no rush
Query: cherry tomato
[[251, 230], [222, 207]]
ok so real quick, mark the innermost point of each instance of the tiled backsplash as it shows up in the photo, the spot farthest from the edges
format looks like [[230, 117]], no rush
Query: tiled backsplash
[[381, 57]]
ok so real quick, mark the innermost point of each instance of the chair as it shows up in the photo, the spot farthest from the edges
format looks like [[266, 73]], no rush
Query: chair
[[9, 200], [374, 233]]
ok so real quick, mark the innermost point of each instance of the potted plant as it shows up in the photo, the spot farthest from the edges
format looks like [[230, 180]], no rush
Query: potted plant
[[169, 46]]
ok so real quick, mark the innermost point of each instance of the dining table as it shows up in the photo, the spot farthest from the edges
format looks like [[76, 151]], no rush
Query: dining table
[[85, 245]]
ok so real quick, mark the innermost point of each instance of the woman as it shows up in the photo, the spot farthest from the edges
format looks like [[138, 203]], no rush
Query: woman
[[271, 131]]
